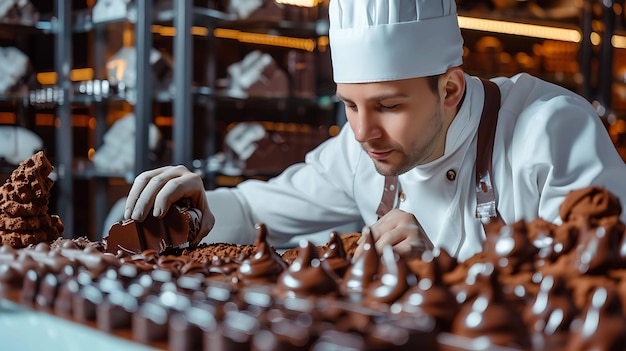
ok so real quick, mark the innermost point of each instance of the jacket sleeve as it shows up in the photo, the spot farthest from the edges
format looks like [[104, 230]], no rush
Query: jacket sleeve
[[306, 201], [558, 144]]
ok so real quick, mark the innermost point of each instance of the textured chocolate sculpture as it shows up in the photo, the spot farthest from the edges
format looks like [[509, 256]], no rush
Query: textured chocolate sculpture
[[24, 218]]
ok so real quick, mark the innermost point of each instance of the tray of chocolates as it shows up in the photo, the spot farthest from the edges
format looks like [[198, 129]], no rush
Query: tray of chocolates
[[535, 286]]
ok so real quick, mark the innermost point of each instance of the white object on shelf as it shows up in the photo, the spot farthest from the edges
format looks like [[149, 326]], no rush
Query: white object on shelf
[[243, 137], [117, 153], [18, 143], [13, 66], [18, 11], [257, 74], [110, 10], [122, 70], [244, 8]]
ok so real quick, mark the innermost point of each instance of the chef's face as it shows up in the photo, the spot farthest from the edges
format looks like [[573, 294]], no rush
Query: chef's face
[[400, 124]]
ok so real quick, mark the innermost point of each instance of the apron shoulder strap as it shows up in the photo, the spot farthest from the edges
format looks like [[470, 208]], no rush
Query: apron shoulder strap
[[486, 208], [389, 196], [485, 194]]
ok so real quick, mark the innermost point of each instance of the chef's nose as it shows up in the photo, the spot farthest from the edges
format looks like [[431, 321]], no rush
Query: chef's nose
[[365, 126]]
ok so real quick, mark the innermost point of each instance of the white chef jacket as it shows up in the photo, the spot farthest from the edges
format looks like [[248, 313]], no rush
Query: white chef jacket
[[548, 142]]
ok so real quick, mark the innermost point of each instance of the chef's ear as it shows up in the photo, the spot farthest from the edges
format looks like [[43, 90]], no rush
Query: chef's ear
[[453, 87]]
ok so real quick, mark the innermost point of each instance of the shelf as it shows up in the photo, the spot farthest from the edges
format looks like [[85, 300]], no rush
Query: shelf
[[50, 95], [16, 29], [299, 29], [536, 15], [85, 170], [321, 101], [521, 27], [15, 99], [200, 17]]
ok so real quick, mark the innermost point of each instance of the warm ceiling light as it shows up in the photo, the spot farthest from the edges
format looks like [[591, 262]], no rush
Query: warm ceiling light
[[619, 41], [302, 3], [523, 29], [78, 74], [265, 39], [595, 38], [167, 31]]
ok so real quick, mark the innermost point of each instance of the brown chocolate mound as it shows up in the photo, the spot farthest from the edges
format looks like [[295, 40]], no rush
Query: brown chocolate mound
[[590, 204], [24, 218], [349, 241], [80, 243], [206, 252]]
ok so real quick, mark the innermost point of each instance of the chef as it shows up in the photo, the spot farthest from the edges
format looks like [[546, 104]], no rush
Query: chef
[[429, 153]]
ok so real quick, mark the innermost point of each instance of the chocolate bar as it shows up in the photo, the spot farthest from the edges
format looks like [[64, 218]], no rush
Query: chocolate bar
[[179, 227]]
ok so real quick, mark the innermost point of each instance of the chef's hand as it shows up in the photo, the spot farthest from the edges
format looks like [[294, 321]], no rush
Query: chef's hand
[[402, 231], [159, 188]]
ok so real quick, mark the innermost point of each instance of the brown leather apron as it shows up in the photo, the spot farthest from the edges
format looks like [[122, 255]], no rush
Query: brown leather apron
[[486, 208]]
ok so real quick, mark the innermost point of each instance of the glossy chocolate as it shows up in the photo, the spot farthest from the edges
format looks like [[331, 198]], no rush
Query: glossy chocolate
[[265, 265], [552, 310], [394, 279], [603, 325], [430, 295], [307, 275], [363, 271], [489, 315], [177, 228], [335, 255]]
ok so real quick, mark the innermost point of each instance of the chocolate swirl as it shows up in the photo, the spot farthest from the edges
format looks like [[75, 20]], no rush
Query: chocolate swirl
[[363, 271], [511, 250], [603, 327], [307, 275], [552, 311], [431, 295], [265, 265], [489, 314], [335, 255], [394, 279]]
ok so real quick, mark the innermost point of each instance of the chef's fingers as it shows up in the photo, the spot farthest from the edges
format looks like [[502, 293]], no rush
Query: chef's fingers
[[410, 248], [175, 184], [408, 241], [362, 240], [393, 219], [186, 185], [136, 189], [144, 190]]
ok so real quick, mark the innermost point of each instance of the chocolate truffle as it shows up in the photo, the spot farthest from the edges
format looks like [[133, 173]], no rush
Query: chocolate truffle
[[265, 265], [335, 255], [489, 315], [603, 325], [363, 271], [393, 280], [307, 275]]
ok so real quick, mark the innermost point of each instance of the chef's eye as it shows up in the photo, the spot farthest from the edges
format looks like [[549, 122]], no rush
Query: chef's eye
[[388, 107]]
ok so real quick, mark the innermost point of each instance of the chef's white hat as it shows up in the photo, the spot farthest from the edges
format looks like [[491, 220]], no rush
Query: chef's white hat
[[382, 40]]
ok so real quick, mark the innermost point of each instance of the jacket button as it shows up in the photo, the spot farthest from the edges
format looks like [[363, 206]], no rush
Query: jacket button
[[451, 175]]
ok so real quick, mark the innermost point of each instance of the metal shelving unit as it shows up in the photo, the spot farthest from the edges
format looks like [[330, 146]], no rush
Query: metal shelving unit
[[185, 96], [64, 144]]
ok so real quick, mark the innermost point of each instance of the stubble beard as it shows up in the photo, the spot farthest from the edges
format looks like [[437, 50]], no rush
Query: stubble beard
[[418, 151]]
